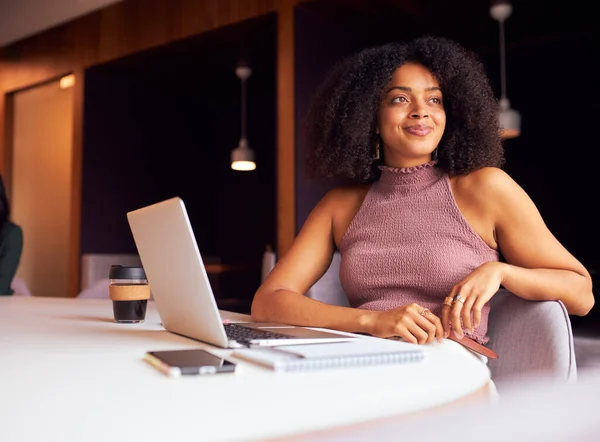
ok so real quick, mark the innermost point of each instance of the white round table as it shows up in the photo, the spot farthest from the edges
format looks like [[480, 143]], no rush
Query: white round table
[[70, 373]]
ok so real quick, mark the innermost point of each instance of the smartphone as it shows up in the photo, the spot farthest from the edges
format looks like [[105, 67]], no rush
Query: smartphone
[[176, 363]]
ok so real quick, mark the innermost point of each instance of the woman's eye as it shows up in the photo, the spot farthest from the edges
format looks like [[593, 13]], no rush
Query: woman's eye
[[436, 100], [399, 100]]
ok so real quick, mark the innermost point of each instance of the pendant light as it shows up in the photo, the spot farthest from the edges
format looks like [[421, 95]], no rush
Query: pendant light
[[510, 119], [242, 157]]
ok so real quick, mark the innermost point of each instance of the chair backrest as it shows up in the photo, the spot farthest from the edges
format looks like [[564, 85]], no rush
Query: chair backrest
[[327, 289], [98, 290], [19, 287], [268, 262], [531, 338], [95, 266]]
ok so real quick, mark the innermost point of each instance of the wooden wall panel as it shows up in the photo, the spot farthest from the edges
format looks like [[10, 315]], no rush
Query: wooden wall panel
[[286, 179], [76, 173], [4, 134], [116, 31], [6, 139]]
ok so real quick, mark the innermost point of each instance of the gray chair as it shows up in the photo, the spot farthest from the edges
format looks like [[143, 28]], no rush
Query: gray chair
[[327, 289], [97, 290], [95, 267], [268, 262], [532, 338]]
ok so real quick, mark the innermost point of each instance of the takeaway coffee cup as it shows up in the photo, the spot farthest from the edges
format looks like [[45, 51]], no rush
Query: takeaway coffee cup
[[129, 292]]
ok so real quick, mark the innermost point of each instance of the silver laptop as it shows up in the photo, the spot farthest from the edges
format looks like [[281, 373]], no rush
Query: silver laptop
[[181, 289]]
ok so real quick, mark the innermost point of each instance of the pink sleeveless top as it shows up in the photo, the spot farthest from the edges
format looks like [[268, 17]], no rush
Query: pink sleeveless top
[[408, 243]]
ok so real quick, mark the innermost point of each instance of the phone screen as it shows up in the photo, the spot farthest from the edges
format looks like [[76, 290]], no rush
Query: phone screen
[[192, 361]]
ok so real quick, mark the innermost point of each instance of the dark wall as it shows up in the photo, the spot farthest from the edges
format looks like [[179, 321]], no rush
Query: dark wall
[[554, 85], [163, 124], [318, 45]]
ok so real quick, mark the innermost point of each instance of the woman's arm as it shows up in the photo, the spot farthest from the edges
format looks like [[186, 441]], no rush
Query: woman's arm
[[281, 298], [538, 266]]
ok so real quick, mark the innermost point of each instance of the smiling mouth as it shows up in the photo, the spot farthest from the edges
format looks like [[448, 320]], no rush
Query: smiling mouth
[[419, 131]]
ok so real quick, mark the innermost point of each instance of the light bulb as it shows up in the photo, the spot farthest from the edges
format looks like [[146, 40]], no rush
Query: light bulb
[[67, 81], [242, 157], [243, 165]]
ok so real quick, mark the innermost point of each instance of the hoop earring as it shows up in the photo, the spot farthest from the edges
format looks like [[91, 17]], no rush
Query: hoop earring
[[377, 148]]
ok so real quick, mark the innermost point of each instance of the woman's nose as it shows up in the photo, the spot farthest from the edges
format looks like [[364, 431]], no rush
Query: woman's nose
[[418, 111]]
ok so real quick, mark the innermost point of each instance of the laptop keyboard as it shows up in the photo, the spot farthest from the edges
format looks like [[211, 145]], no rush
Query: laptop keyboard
[[245, 335]]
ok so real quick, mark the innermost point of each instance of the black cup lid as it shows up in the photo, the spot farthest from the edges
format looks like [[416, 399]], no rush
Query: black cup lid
[[122, 272]]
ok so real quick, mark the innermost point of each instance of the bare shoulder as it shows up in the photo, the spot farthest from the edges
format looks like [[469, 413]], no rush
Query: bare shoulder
[[488, 184], [490, 178], [342, 203], [343, 196]]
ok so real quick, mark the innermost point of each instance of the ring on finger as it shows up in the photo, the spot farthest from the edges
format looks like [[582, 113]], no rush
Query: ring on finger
[[457, 298], [448, 301], [425, 312]]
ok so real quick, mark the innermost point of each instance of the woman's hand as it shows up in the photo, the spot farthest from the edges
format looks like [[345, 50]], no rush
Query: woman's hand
[[412, 322], [474, 291]]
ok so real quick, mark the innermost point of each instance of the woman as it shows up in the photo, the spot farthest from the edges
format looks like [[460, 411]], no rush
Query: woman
[[11, 244], [432, 226]]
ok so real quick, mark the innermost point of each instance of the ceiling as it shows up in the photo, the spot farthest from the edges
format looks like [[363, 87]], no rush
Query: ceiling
[[22, 18]]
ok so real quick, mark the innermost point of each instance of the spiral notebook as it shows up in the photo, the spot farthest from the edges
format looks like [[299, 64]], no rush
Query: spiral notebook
[[366, 351]]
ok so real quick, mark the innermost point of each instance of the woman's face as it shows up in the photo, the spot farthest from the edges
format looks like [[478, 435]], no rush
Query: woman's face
[[411, 117]]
